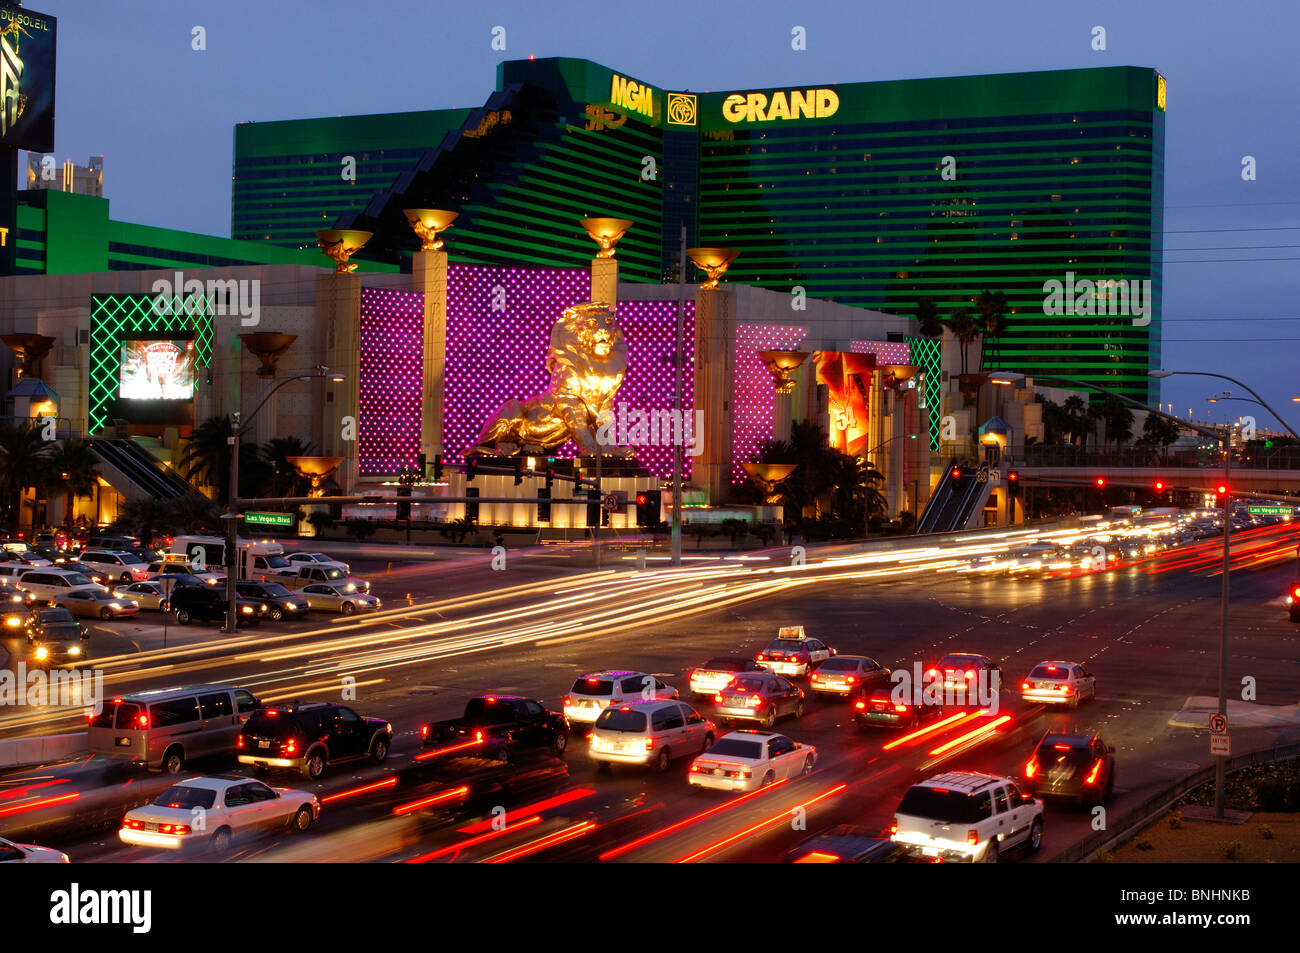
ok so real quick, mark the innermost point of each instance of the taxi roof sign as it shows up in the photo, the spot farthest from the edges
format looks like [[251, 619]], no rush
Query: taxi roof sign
[[790, 632]]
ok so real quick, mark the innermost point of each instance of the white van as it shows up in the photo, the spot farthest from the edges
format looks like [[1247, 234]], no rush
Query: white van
[[258, 557], [163, 729], [51, 584]]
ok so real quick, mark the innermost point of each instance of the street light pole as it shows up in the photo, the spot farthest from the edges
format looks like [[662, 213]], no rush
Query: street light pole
[[238, 424], [866, 527]]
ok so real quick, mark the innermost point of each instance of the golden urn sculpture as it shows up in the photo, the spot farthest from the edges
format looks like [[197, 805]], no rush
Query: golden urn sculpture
[[606, 232], [428, 222], [714, 262], [341, 244]]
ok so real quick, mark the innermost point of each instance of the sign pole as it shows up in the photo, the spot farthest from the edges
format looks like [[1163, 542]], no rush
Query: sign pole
[[681, 404]]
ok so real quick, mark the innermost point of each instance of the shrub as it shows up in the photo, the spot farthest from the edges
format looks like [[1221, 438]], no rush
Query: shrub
[[1231, 849], [1103, 857], [1144, 845], [1175, 820], [1266, 832]]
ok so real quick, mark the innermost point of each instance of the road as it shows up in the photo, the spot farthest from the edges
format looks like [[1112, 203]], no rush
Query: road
[[1149, 632]]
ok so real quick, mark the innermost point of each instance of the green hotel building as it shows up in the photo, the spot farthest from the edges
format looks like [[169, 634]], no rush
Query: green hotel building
[[869, 194]]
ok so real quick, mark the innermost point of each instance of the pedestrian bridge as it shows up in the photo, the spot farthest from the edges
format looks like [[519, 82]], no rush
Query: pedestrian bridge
[[1274, 473]]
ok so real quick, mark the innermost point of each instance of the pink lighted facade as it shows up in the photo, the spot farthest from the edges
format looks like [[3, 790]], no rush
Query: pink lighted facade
[[887, 352], [755, 394], [390, 390]]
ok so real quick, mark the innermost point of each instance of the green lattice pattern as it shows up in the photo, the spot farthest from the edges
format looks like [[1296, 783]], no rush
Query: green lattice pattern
[[113, 317], [926, 354]]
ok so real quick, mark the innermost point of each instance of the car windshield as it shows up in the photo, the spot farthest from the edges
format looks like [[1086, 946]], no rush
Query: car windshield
[[485, 711], [55, 616], [57, 632], [1061, 753], [961, 661], [333, 572], [130, 559], [277, 562], [951, 807], [738, 748], [1049, 671], [621, 719], [267, 725], [786, 645], [186, 798], [841, 665], [747, 684], [592, 686], [275, 589], [725, 665]]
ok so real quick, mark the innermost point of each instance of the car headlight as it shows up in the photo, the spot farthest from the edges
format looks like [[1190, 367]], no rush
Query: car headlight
[[13, 621], [74, 650], [42, 652], [246, 609], [288, 605], [351, 587], [115, 605]]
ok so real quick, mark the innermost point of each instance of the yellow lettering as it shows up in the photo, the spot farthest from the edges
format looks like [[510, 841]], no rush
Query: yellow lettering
[[733, 108], [801, 105], [616, 90], [4, 236], [827, 103], [779, 109], [754, 105]]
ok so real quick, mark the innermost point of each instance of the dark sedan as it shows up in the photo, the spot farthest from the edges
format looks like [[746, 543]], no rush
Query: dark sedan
[[55, 637], [878, 708], [1079, 767], [280, 603]]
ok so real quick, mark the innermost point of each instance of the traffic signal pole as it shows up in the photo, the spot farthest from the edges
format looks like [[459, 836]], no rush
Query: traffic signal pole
[[232, 528]]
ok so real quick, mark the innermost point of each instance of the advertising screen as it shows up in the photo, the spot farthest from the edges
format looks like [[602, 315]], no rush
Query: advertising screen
[[26, 79], [157, 370]]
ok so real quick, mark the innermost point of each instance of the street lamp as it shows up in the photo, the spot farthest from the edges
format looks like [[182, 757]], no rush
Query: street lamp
[[238, 425], [1160, 375]]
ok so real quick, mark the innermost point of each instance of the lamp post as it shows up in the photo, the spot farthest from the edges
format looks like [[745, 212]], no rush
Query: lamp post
[[238, 425], [1220, 772]]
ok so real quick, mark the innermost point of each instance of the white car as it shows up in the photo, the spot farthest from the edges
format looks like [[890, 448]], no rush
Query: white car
[[716, 674], [793, 655], [593, 693], [746, 760], [648, 733], [12, 853], [1059, 683], [967, 816], [116, 565], [317, 559], [210, 812]]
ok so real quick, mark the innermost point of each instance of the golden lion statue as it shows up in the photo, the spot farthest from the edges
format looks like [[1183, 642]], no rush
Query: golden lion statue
[[587, 360]]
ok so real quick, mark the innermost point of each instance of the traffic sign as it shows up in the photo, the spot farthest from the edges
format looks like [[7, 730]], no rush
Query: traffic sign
[[1218, 723], [1269, 510], [982, 476], [1220, 746], [612, 502], [268, 519]]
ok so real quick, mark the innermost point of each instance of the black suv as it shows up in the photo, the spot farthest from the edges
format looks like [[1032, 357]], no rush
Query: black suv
[[208, 604], [311, 736], [280, 603]]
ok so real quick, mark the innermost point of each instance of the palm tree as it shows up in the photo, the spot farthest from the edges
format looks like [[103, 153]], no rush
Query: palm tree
[[1076, 411], [1160, 431], [22, 458], [992, 306], [284, 479], [1118, 419], [1057, 423], [192, 513], [72, 469], [206, 460], [854, 493], [142, 517], [964, 329], [928, 322]]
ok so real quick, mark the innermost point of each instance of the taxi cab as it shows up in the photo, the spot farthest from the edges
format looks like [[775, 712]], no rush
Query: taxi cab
[[792, 653]]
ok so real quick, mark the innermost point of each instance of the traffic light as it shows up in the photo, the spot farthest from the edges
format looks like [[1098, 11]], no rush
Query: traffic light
[[229, 554], [422, 465], [1101, 483], [550, 477], [1013, 481], [437, 468], [471, 469], [1160, 486], [519, 471], [1221, 495], [544, 506], [577, 479], [593, 508], [648, 507], [471, 509]]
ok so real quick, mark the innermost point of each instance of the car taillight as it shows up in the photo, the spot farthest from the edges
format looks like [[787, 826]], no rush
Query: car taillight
[[174, 828], [424, 731], [649, 744], [717, 698], [567, 701], [1092, 775], [893, 828], [144, 721], [932, 673], [754, 701], [134, 825], [1063, 689], [815, 676], [478, 736], [852, 679], [760, 657], [289, 747], [1031, 768], [239, 742], [1024, 686], [972, 837], [970, 673], [694, 768], [900, 708], [859, 705]]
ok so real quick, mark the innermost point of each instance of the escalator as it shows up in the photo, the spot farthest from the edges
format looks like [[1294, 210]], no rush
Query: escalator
[[134, 472], [958, 497]]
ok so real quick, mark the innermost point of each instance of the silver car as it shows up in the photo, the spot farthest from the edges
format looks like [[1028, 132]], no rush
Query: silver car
[[327, 598], [149, 595]]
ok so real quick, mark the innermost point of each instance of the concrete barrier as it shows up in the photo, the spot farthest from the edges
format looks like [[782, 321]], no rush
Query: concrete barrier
[[21, 752]]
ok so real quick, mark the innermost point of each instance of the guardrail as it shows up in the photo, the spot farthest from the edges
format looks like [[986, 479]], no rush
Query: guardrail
[[1138, 818], [41, 749]]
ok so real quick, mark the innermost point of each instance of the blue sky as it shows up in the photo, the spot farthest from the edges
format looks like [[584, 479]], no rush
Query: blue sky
[[131, 88]]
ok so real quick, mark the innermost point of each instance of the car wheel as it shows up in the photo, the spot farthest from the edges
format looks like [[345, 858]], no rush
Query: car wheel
[[276, 614], [220, 843], [348, 608], [767, 779], [126, 578], [1035, 839], [173, 761], [315, 766], [182, 617], [991, 855], [379, 751], [808, 763], [770, 719], [661, 762], [560, 742], [798, 710], [708, 742], [163, 606], [106, 613], [1074, 702], [303, 819]]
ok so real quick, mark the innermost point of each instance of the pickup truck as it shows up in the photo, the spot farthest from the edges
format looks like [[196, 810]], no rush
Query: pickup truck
[[501, 720], [306, 575]]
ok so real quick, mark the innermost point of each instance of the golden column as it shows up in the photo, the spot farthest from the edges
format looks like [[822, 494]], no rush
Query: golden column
[[338, 324], [429, 277], [606, 233], [715, 345]]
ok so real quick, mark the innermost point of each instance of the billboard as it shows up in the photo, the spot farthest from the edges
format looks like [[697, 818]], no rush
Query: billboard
[[26, 79], [157, 370]]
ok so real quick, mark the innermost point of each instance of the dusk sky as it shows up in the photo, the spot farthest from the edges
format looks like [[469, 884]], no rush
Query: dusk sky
[[162, 115]]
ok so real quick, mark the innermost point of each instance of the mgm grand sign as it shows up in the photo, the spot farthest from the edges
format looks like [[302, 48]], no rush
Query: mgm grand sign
[[794, 104]]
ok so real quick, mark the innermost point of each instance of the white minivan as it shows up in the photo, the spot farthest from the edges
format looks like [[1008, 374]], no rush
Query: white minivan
[[649, 733], [118, 565], [51, 584]]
